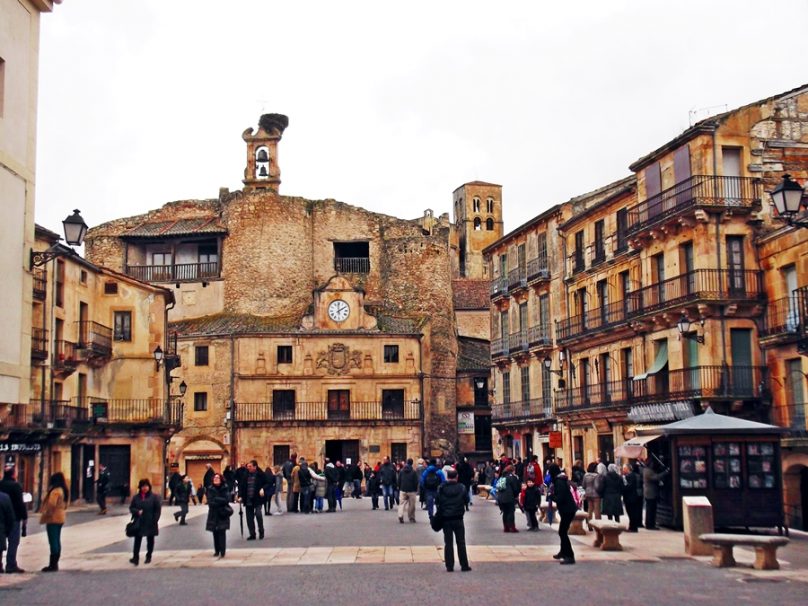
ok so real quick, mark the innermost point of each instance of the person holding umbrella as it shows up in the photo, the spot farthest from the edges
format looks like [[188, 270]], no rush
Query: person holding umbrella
[[219, 512]]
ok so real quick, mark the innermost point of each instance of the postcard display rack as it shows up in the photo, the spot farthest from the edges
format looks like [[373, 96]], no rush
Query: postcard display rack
[[740, 475]]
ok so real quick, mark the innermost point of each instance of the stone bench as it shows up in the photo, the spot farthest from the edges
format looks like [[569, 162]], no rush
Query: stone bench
[[577, 526], [607, 534], [484, 491], [543, 508], [765, 549]]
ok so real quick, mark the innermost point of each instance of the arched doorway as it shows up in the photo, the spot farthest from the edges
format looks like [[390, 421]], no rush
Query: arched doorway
[[803, 498], [795, 495]]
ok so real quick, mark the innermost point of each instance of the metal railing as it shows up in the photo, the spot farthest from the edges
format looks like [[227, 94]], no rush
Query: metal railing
[[143, 411], [522, 410], [182, 272], [52, 414], [698, 191], [593, 320], [783, 316], [539, 336], [518, 341], [499, 347], [39, 343], [95, 337], [65, 354], [499, 286], [352, 265], [517, 278], [538, 268], [40, 285], [730, 382], [246, 412]]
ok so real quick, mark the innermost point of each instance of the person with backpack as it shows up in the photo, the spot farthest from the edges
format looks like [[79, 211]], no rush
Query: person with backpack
[[508, 488], [533, 470], [567, 505], [431, 480]]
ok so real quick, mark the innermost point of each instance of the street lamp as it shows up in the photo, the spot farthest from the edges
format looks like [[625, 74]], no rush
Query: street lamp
[[684, 325], [183, 388], [548, 363], [787, 198], [75, 229]]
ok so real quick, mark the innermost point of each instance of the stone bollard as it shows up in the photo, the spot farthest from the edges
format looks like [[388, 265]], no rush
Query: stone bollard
[[698, 520]]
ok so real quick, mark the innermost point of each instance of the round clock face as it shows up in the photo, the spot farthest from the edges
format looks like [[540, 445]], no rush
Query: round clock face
[[338, 310]]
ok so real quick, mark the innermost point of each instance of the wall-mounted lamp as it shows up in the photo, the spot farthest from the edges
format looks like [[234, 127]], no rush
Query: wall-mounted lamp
[[548, 364], [75, 229], [684, 325], [787, 198]]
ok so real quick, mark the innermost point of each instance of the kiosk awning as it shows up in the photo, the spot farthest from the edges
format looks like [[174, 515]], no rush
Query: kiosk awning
[[635, 447]]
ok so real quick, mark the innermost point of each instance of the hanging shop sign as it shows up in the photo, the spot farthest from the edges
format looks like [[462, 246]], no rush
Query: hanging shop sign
[[555, 439], [20, 447], [665, 411], [465, 422]]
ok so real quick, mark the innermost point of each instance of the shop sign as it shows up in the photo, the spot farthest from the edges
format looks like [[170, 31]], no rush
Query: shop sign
[[555, 439], [666, 411], [465, 422], [20, 447]]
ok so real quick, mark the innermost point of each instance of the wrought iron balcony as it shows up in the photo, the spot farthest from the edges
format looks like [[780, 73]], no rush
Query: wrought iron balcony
[[257, 412], [538, 268], [525, 410], [37, 416], [95, 338], [66, 357], [352, 265], [39, 343], [594, 320], [146, 411], [517, 278], [499, 347], [697, 192], [518, 341], [183, 272], [40, 285], [698, 382], [499, 287], [539, 337], [784, 317]]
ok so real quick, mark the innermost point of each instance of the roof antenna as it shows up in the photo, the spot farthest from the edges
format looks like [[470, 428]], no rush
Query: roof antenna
[[698, 114]]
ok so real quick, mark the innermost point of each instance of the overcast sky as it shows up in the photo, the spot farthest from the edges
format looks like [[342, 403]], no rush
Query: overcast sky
[[391, 105]]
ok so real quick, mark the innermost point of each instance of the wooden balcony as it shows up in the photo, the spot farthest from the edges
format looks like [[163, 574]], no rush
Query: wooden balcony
[[522, 411], [252, 413], [696, 383], [683, 202], [183, 272]]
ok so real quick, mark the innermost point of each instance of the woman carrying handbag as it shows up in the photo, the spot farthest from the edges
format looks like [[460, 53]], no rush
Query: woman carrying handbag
[[219, 512], [145, 509], [52, 514]]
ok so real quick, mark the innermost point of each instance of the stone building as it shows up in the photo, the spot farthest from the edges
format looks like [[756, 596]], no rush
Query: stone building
[[679, 290], [19, 74], [308, 326], [96, 394]]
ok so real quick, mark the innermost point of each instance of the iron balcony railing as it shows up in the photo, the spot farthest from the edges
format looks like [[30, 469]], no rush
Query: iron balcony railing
[[792, 417], [517, 278], [518, 341], [539, 336], [51, 414], [39, 343], [499, 286], [247, 412], [96, 338], [40, 285], [523, 410], [784, 317], [693, 286], [698, 382], [182, 272], [538, 269], [65, 354], [499, 347], [144, 411], [352, 265], [699, 191]]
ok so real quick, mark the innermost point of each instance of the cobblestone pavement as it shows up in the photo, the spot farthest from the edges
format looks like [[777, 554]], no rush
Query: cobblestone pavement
[[357, 536]]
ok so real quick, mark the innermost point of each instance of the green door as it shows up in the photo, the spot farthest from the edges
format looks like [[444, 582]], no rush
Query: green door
[[741, 375]]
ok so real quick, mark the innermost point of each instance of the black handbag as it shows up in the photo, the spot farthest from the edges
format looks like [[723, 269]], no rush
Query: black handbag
[[437, 521], [226, 511], [133, 527]]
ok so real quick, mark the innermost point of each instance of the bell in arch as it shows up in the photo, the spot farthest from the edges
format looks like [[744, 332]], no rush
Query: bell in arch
[[262, 172], [262, 155]]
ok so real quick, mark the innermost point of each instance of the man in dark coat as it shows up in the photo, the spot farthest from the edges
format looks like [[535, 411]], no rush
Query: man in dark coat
[[565, 503], [102, 488], [650, 486], [306, 487], [387, 477], [354, 473], [408, 486], [251, 483], [507, 499], [13, 489], [451, 501], [465, 474], [286, 470], [7, 522], [331, 482]]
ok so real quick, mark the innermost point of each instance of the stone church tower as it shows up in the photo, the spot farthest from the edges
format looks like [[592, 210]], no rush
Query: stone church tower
[[478, 219], [262, 170]]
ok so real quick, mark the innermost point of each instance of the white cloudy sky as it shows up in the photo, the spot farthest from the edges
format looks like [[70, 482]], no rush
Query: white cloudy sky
[[391, 105]]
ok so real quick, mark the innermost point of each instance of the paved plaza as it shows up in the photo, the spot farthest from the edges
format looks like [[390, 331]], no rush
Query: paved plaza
[[370, 554]]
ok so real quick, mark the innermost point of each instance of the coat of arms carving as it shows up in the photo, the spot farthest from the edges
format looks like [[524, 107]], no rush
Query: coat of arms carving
[[339, 359]]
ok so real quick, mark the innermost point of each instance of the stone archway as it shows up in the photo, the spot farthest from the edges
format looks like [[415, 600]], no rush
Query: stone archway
[[795, 491]]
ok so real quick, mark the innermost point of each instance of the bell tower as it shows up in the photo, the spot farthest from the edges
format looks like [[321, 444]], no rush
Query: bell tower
[[262, 170], [478, 217]]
